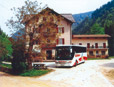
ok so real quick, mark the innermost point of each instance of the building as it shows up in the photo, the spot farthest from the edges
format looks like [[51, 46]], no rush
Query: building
[[97, 45], [64, 28]]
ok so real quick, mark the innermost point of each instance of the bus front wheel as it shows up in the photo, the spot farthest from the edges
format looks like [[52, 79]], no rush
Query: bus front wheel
[[75, 63]]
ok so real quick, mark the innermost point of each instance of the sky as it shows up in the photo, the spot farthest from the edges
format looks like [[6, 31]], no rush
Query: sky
[[60, 6]]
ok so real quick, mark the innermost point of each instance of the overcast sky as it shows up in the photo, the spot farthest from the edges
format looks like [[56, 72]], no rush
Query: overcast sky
[[60, 6]]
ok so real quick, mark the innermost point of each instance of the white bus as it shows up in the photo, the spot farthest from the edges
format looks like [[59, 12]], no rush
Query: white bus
[[70, 55]]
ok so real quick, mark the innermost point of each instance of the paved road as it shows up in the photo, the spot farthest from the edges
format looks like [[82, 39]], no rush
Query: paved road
[[84, 75]]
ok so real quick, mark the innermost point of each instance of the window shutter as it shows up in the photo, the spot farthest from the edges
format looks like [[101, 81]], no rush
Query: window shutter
[[57, 29], [57, 41], [62, 29], [63, 41]]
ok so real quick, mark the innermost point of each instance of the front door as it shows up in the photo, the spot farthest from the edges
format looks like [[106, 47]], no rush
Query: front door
[[49, 54]]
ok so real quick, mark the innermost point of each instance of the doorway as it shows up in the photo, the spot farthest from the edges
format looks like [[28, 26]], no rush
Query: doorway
[[49, 54]]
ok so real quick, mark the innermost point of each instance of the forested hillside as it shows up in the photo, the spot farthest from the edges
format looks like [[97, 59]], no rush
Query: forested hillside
[[100, 18], [80, 17], [101, 22], [5, 47]]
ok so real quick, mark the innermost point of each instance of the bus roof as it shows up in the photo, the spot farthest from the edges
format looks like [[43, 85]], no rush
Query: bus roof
[[70, 45]]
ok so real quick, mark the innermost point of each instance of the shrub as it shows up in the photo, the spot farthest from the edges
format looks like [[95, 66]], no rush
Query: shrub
[[18, 62]]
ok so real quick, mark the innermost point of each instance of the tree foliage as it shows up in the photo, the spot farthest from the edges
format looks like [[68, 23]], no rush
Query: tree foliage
[[96, 29], [101, 22], [40, 28], [18, 62], [103, 16], [14, 23], [5, 47]]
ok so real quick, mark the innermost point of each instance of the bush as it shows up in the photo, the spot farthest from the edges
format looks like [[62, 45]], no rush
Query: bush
[[18, 62]]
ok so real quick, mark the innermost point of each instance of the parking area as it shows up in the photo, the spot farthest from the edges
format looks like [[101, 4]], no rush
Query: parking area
[[88, 74]]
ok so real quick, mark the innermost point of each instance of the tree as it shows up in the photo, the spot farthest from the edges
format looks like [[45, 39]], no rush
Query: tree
[[5, 47], [34, 11], [18, 62], [109, 29], [96, 29]]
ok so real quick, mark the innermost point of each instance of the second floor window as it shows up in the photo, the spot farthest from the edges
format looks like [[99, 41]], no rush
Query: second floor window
[[104, 45], [60, 29], [96, 45], [80, 43], [88, 45]]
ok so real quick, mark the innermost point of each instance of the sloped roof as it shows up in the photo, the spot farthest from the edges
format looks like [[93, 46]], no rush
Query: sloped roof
[[78, 36], [69, 17]]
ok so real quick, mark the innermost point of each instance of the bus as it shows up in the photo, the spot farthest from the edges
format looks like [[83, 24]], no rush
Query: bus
[[70, 55]]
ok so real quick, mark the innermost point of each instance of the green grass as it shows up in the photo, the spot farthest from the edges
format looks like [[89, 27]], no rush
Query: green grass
[[34, 72], [111, 57], [28, 73], [6, 65]]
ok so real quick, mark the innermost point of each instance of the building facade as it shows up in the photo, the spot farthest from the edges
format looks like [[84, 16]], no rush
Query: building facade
[[97, 45], [63, 28]]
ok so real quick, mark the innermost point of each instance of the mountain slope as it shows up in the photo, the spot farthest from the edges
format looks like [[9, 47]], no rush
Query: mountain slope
[[80, 17], [102, 16], [101, 22]]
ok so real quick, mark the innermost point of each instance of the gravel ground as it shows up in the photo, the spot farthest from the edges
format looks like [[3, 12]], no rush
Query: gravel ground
[[84, 75]]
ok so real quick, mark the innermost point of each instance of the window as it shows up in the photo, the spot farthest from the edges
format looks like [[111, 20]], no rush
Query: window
[[104, 45], [60, 29], [91, 53], [88, 45], [80, 43], [44, 18], [48, 30], [103, 52], [97, 53], [79, 49], [36, 42], [96, 45], [60, 41], [48, 41]]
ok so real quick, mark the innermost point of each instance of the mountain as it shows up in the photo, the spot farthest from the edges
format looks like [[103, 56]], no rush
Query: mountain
[[80, 17], [101, 22], [17, 34], [99, 18]]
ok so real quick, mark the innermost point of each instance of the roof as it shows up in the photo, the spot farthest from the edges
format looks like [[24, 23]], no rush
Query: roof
[[69, 17], [79, 36]]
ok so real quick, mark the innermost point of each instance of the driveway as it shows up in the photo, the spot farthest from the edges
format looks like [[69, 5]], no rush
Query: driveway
[[87, 74]]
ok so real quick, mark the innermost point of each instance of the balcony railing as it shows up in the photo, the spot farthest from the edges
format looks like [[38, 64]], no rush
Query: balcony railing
[[99, 47]]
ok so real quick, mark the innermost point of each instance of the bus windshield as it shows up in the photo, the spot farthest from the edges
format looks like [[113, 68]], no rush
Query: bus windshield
[[64, 53]]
